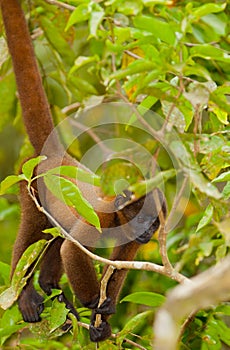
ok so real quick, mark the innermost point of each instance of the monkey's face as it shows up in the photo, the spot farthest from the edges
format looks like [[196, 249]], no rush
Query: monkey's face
[[142, 214]]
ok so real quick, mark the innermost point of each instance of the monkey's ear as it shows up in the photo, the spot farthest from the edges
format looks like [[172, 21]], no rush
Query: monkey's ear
[[123, 199]]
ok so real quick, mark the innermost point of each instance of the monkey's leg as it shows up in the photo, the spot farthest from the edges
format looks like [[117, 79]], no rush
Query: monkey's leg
[[81, 274], [32, 224], [51, 267], [51, 270], [123, 252]]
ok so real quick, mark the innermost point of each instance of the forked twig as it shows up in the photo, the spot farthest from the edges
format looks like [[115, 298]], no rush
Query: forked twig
[[61, 4]]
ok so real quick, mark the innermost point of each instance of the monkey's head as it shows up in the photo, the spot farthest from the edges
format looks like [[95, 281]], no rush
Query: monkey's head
[[141, 214]]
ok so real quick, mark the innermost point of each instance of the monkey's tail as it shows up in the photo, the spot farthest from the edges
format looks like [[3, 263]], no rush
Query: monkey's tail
[[35, 107]]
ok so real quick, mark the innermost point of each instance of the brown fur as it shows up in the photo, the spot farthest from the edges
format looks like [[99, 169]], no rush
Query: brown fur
[[62, 254]]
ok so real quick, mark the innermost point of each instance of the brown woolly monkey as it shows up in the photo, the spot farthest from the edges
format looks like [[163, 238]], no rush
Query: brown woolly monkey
[[140, 216]]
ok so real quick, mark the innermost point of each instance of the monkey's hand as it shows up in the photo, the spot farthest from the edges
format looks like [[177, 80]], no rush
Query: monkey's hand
[[31, 305], [103, 331], [106, 308], [148, 233], [100, 333]]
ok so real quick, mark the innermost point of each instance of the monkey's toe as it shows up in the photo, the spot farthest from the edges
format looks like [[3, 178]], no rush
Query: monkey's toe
[[31, 306], [147, 235], [100, 333], [144, 238], [106, 308], [62, 299]]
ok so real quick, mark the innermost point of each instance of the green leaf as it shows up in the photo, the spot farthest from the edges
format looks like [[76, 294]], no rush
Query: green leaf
[[76, 173], [204, 186], [135, 67], [160, 29], [8, 96], [82, 61], [83, 85], [69, 193], [226, 190], [9, 181], [206, 248], [20, 276], [145, 298], [207, 217], [221, 252], [142, 108], [29, 166], [95, 20], [144, 187], [80, 14], [223, 309], [75, 330], [55, 37], [221, 115], [8, 297], [11, 322], [67, 132], [223, 177], [58, 315], [54, 231], [5, 272], [117, 177], [223, 227], [130, 8], [221, 330], [207, 9], [131, 325], [210, 52], [7, 210], [30, 255]]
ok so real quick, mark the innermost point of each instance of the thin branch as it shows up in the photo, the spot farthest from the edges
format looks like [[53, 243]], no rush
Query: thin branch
[[92, 134], [162, 235], [134, 344], [185, 324], [61, 4], [173, 105], [112, 39], [197, 118], [205, 290], [177, 200], [37, 33], [133, 55], [103, 288], [114, 336], [157, 134], [134, 265], [71, 107]]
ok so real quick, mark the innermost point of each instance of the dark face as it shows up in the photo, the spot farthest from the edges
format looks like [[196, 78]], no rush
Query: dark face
[[142, 214]]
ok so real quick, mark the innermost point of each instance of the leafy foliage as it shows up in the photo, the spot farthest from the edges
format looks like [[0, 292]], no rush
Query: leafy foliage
[[170, 57]]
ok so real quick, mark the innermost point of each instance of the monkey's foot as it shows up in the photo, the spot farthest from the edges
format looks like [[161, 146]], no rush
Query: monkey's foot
[[144, 238], [31, 305], [62, 299], [147, 235], [48, 287], [100, 333], [106, 308]]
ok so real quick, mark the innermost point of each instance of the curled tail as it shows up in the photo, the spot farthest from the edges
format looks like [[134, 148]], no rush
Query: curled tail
[[35, 107]]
